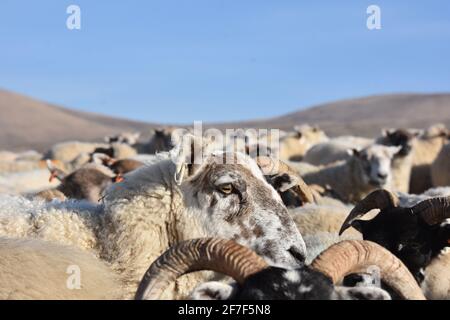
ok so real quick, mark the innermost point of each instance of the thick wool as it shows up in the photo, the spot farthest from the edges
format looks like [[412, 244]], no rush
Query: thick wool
[[68, 151], [26, 182], [440, 168], [436, 284], [144, 216], [34, 269], [70, 222], [312, 218]]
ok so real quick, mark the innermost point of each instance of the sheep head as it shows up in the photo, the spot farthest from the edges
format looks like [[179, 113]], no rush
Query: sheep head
[[400, 137], [374, 164], [255, 279], [229, 195], [413, 234]]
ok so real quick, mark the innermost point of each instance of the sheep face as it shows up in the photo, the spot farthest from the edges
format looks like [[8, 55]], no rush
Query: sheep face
[[234, 201], [281, 284], [402, 138], [125, 137], [374, 163], [406, 236]]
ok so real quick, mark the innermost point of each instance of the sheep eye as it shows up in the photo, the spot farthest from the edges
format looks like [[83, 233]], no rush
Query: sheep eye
[[226, 188]]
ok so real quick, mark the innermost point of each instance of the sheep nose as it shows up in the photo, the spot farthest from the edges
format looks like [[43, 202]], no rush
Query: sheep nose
[[382, 176], [297, 254]]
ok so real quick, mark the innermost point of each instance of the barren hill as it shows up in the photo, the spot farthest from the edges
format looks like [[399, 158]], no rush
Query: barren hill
[[28, 123]]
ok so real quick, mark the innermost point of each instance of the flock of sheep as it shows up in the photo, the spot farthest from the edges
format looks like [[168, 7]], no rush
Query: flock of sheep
[[318, 218]]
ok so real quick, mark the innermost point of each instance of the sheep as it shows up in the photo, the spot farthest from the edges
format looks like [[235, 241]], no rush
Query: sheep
[[30, 155], [69, 150], [7, 156], [159, 205], [24, 262], [115, 150], [256, 280], [364, 172], [356, 142], [88, 182], [50, 195], [160, 141], [313, 218], [436, 282], [26, 182], [328, 152], [440, 168], [338, 150], [409, 200], [7, 167], [72, 223], [425, 150], [293, 146], [130, 138], [415, 234], [403, 161]]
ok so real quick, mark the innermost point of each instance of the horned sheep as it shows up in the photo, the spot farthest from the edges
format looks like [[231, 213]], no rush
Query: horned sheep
[[255, 279], [159, 205], [415, 234]]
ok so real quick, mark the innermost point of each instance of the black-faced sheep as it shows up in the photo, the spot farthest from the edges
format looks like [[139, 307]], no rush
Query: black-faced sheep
[[414, 234], [256, 280]]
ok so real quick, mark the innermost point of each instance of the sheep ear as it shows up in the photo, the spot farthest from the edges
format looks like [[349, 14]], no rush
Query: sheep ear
[[360, 293], [353, 152], [213, 290], [54, 171], [387, 132], [395, 150], [188, 155], [107, 139], [283, 182], [359, 225]]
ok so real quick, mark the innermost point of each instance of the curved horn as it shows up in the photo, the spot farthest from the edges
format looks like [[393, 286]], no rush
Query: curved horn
[[270, 166], [224, 256], [352, 256], [433, 211], [378, 199]]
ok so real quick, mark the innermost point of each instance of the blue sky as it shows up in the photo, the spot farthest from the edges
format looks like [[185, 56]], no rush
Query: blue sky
[[211, 60]]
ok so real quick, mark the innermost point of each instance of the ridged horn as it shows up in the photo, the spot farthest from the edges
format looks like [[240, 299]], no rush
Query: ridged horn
[[433, 211], [270, 166], [378, 199], [219, 255], [353, 256]]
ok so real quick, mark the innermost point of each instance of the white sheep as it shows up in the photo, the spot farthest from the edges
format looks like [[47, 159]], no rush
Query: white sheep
[[294, 145], [426, 149], [440, 168], [69, 273], [153, 209], [26, 182], [30, 155], [364, 172], [69, 150], [409, 200], [436, 283]]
